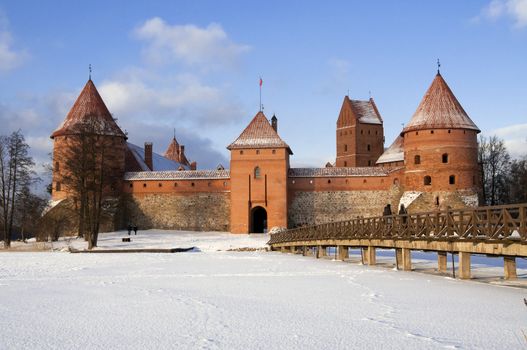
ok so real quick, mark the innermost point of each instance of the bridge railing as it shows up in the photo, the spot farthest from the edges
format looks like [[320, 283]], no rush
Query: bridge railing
[[497, 223]]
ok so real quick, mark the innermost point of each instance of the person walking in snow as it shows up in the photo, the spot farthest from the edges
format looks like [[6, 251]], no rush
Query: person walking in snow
[[135, 230], [129, 229]]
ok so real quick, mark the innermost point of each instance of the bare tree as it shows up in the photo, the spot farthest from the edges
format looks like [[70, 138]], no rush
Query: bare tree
[[15, 176], [518, 180], [29, 208], [89, 175], [495, 164]]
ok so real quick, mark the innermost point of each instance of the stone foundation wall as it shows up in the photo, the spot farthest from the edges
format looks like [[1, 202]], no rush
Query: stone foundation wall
[[309, 208], [428, 201], [194, 212]]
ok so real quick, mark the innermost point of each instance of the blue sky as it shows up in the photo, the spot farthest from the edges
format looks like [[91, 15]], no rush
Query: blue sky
[[195, 66]]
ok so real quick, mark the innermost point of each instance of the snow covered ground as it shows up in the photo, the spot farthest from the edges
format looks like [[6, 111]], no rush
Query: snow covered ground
[[212, 299]]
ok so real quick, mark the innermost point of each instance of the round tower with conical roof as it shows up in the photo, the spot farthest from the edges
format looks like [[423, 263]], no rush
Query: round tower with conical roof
[[89, 116], [441, 151]]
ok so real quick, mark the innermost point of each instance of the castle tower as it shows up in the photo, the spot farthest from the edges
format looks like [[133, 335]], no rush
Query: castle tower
[[176, 152], [360, 135], [259, 167], [88, 110], [441, 150]]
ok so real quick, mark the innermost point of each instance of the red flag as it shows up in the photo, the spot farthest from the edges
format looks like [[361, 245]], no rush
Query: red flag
[[261, 81]]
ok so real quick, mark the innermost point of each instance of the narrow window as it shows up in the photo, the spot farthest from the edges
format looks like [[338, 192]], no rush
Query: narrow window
[[329, 181], [131, 185], [192, 184], [428, 180], [437, 200], [257, 172], [452, 179], [362, 132], [431, 131], [257, 151], [57, 167], [369, 147], [445, 158], [368, 132], [369, 162], [417, 132], [417, 159], [449, 131], [144, 185], [364, 181], [160, 184], [345, 148], [175, 184], [345, 163], [274, 151], [57, 186], [241, 152]]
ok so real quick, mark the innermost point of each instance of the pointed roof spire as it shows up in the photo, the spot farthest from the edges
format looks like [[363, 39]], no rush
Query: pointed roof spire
[[438, 67], [440, 109], [176, 152], [259, 134], [89, 106]]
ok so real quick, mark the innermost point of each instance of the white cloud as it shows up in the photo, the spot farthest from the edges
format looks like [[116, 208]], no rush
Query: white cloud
[[514, 9], [183, 99], [515, 138], [208, 47], [9, 58]]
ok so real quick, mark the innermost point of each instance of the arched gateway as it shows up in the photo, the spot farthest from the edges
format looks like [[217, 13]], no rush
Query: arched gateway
[[258, 220]]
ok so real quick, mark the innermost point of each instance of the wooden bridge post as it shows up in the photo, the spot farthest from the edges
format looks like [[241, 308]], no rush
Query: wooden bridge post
[[398, 258], [441, 261], [343, 252], [509, 265], [407, 259], [464, 265], [370, 256], [321, 251]]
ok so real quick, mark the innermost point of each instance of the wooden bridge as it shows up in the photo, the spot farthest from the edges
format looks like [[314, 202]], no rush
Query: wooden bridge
[[493, 231]]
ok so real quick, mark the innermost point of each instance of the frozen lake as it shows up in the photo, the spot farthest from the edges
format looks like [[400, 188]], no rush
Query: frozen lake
[[237, 300]]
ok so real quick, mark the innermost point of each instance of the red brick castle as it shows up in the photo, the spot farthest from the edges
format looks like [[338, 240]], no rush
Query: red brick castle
[[431, 165]]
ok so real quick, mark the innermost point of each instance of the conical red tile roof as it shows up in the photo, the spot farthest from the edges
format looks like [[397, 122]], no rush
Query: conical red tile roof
[[89, 106], [259, 134], [439, 109]]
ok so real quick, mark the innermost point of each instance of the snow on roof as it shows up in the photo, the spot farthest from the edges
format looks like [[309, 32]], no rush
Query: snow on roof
[[88, 108], [259, 134], [160, 163], [342, 172], [439, 109], [366, 111], [177, 175], [394, 153]]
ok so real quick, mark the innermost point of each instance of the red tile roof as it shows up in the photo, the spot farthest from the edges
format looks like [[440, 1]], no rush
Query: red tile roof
[[89, 106], [439, 109], [364, 112], [259, 134], [175, 153], [340, 172], [394, 153]]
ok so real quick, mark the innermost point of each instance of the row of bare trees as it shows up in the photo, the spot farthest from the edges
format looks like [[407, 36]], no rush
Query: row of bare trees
[[504, 179], [18, 206]]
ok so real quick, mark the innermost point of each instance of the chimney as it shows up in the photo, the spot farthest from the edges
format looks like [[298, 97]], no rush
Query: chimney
[[181, 154], [148, 155], [193, 166], [274, 123]]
